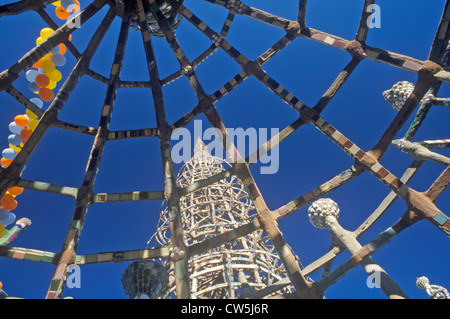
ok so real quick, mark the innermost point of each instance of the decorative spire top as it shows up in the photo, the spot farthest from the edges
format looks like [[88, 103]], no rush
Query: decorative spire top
[[201, 153], [321, 210], [434, 291], [398, 94], [145, 279]]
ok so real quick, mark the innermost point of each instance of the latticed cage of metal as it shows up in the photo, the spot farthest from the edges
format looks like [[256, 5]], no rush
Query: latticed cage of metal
[[209, 212], [229, 253]]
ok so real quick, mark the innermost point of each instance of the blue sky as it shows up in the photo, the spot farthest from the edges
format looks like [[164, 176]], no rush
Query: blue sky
[[307, 158]]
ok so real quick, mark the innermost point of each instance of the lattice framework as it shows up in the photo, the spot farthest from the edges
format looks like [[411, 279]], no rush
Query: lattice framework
[[236, 269], [421, 205]]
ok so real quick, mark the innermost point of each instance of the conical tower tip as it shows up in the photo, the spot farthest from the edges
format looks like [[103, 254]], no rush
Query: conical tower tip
[[201, 152]]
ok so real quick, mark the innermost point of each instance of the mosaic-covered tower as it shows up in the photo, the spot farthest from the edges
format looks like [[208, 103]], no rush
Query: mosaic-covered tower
[[237, 269]]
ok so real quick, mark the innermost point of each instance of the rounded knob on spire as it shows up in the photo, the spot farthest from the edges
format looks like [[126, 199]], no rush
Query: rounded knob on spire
[[321, 210], [398, 94], [145, 279], [434, 291]]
